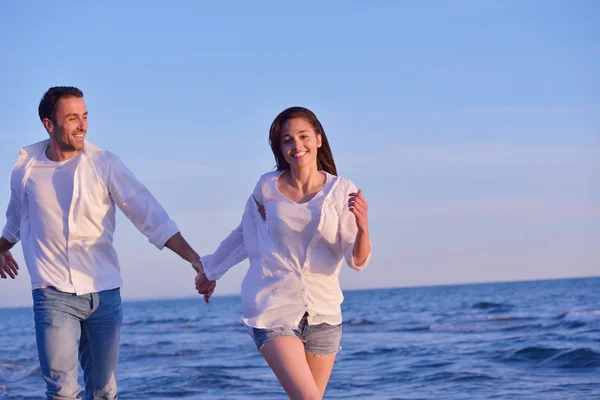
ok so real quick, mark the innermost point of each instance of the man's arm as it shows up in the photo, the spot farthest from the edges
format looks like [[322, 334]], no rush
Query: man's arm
[[181, 247], [11, 233], [146, 213], [5, 245], [139, 205]]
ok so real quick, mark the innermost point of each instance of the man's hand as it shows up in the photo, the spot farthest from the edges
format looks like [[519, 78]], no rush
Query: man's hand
[[9, 266], [204, 286]]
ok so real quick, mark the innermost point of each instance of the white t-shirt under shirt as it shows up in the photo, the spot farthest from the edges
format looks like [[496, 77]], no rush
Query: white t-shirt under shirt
[[291, 224], [49, 191]]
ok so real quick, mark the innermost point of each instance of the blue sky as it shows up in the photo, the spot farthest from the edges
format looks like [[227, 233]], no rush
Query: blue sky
[[472, 127]]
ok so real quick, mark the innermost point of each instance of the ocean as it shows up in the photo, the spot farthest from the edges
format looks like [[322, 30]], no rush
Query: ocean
[[518, 340]]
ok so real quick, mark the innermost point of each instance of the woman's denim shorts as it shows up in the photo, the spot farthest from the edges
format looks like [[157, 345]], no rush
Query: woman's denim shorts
[[317, 339]]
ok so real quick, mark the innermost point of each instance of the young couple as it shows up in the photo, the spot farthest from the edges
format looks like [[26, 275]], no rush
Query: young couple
[[298, 226]]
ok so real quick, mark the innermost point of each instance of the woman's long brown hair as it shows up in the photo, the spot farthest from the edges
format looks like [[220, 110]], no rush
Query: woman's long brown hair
[[324, 155]]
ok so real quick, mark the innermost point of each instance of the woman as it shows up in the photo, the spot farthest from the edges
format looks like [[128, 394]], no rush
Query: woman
[[297, 228]]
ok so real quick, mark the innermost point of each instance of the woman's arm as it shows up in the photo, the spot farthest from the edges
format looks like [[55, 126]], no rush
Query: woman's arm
[[362, 244], [354, 229], [230, 252]]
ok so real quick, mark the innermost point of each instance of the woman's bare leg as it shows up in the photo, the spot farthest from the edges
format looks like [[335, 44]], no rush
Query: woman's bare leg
[[320, 366], [285, 355]]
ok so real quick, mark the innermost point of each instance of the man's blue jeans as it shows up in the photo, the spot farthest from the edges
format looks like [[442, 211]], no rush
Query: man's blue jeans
[[70, 327]]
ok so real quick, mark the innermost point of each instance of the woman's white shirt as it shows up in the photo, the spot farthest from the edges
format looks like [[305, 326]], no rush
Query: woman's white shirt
[[295, 255], [291, 224]]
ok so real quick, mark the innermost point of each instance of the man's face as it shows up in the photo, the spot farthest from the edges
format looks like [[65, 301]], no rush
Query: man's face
[[68, 130]]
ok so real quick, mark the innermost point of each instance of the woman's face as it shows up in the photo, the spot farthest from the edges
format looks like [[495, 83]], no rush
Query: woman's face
[[299, 143]]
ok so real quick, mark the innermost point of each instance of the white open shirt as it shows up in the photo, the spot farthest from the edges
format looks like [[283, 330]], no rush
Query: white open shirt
[[278, 290], [101, 180]]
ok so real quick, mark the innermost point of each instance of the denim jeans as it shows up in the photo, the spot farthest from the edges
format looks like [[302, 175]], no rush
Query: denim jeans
[[71, 328], [317, 339]]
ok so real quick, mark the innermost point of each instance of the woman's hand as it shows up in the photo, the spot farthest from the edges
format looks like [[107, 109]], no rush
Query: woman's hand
[[204, 286], [360, 208]]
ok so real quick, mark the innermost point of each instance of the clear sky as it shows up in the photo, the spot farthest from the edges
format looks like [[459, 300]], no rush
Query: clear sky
[[473, 127]]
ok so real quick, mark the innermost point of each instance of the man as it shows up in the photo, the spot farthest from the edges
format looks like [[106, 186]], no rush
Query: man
[[62, 208]]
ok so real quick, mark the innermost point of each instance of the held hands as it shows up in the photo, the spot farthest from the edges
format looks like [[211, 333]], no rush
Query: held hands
[[360, 208], [8, 265], [203, 285]]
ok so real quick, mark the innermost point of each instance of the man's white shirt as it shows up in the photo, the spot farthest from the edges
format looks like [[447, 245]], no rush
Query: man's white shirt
[[64, 215]]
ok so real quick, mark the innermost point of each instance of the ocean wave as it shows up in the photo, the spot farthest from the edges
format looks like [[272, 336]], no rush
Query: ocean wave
[[494, 317], [226, 327], [194, 382], [483, 327], [154, 354], [581, 316], [220, 377], [159, 321], [430, 364], [359, 322], [579, 319], [375, 352], [458, 376], [577, 358], [492, 307], [477, 323], [422, 328], [509, 318], [16, 371], [573, 324], [157, 393], [534, 353], [169, 321], [558, 358]]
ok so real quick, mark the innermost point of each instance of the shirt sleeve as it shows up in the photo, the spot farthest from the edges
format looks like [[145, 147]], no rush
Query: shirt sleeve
[[348, 228], [258, 192], [139, 205], [232, 249], [12, 228], [230, 252]]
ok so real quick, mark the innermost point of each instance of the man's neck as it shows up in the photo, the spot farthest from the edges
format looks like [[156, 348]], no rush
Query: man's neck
[[57, 155]]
